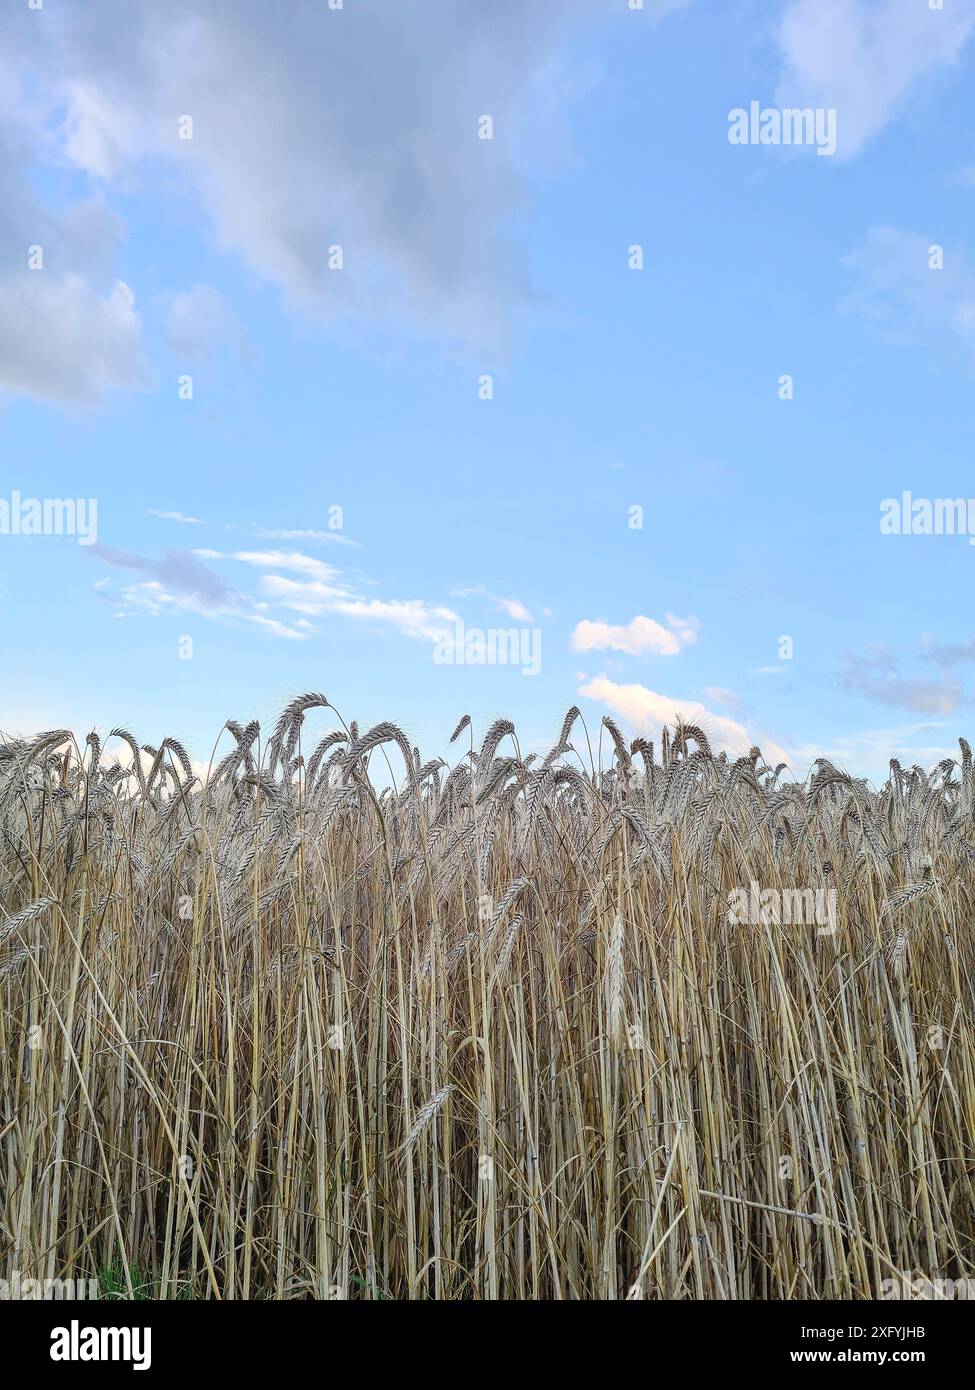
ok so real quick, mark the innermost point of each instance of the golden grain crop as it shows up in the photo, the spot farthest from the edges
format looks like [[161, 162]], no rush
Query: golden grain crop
[[339, 1023]]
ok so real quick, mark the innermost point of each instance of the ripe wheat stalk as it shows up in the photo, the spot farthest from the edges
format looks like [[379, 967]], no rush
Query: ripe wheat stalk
[[338, 1022]]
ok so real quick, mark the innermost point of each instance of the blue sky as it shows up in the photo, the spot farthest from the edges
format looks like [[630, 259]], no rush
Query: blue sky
[[358, 388]]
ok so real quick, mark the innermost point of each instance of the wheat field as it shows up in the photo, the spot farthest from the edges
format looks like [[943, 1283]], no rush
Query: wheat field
[[335, 1022]]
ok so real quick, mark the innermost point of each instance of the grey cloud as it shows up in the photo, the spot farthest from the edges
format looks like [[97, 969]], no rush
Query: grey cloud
[[69, 331], [875, 675], [317, 127], [179, 581], [951, 654], [200, 322], [179, 572], [727, 699]]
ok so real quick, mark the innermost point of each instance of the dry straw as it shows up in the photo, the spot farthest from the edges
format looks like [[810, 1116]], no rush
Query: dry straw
[[340, 1021]]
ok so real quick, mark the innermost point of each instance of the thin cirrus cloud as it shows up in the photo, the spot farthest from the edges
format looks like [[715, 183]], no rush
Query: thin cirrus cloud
[[515, 609], [411, 617], [180, 581], [725, 699], [866, 58], [200, 322], [259, 532], [180, 571], [283, 534], [647, 711], [641, 636], [512, 606], [293, 560], [872, 749], [181, 517], [321, 590], [896, 290]]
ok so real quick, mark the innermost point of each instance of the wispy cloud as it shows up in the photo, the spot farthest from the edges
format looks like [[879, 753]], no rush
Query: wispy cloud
[[950, 654], [512, 606], [200, 322], [328, 537], [179, 571], [179, 582], [899, 293], [182, 579], [411, 617], [292, 560], [726, 699], [867, 752], [323, 590], [175, 516]]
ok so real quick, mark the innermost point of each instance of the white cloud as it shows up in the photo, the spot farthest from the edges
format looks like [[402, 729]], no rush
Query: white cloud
[[292, 560], [512, 606], [865, 57], [180, 517], [333, 537], [278, 629], [310, 596], [411, 617], [646, 710], [322, 590], [638, 637], [515, 609]]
